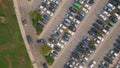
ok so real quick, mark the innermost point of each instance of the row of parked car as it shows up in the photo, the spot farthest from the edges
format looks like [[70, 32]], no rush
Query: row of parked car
[[68, 27], [81, 54], [107, 19], [108, 59], [47, 9]]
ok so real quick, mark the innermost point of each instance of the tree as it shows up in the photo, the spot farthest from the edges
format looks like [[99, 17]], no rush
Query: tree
[[49, 60], [45, 50], [91, 42]]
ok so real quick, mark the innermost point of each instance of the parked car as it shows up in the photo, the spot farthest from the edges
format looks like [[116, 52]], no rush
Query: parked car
[[92, 64], [85, 10], [45, 65], [106, 13], [97, 26], [118, 41], [87, 6], [29, 39], [102, 17], [72, 9], [99, 21]]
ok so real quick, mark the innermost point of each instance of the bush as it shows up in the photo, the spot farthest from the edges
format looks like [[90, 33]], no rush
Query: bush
[[38, 30], [45, 50], [36, 16], [91, 42], [49, 60]]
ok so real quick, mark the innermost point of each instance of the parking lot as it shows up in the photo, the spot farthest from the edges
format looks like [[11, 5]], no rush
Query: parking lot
[[73, 34], [80, 33], [106, 46]]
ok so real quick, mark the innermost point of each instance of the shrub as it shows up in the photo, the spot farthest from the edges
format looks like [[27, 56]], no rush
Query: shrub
[[45, 50], [49, 60]]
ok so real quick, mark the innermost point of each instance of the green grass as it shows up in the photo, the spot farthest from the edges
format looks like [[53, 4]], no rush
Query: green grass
[[49, 60], [44, 50], [11, 40]]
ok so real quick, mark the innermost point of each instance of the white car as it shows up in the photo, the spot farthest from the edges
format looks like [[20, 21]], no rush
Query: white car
[[67, 20], [71, 32], [100, 38], [87, 6], [42, 8], [64, 27], [96, 41], [102, 17], [60, 45], [85, 10], [105, 31], [111, 6], [92, 64], [69, 16], [76, 21], [106, 13], [117, 15], [49, 13], [51, 45], [96, 44]]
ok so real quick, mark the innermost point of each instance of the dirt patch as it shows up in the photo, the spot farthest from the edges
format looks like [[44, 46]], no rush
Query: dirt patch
[[3, 48], [9, 60], [3, 5]]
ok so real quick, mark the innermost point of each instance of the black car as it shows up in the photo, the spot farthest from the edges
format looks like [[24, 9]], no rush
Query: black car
[[54, 5], [116, 50], [74, 10], [106, 27], [92, 33], [107, 59], [44, 4], [43, 21], [114, 2], [118, 41], [52, 9], [94, 30], [99, 21], [113, 18], [46, 17], [72, 28], [29, 39], [45, 65], [40, 41], [23, 22], [79, 17], [57, 48], [40, 25], [96, 26], [117, 45]]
